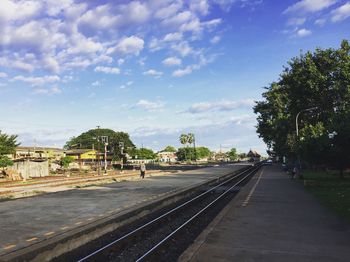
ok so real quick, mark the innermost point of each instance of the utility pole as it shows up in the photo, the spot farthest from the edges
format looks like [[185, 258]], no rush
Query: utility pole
[[98, 150], [104, 140]]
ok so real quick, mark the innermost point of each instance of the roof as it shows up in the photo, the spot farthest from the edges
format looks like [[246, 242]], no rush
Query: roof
[[253, 153], [38, 148], [78, 151]]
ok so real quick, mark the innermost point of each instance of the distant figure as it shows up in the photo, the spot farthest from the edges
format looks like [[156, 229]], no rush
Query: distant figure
[[142, 170], [295, 172]]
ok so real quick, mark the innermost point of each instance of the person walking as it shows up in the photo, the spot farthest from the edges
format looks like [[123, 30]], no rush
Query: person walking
[[142, 170]]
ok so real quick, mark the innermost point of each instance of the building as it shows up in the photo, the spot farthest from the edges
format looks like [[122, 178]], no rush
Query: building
[[167, 157], [26, 152], [253, 156]]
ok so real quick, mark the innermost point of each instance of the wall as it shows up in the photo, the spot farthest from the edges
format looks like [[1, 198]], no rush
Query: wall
[[29, 168]]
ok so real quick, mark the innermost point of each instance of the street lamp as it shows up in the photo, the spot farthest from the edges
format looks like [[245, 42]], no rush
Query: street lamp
[[296, 118]]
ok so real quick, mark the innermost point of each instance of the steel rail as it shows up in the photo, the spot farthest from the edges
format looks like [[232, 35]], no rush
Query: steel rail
[[191, 219], [161, 216]]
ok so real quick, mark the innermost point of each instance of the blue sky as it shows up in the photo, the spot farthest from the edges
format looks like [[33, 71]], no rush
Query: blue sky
[[155, 68]]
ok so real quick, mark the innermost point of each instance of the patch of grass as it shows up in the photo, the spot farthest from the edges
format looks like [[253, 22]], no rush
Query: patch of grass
[[331, 190]]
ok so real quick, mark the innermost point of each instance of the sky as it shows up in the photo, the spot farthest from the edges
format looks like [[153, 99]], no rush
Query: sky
[[153, 68]]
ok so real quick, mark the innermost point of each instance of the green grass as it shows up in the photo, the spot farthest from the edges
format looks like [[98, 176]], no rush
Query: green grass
[[331, 190]]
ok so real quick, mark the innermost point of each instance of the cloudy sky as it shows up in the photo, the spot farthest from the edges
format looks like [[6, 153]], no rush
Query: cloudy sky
[[154, 68]]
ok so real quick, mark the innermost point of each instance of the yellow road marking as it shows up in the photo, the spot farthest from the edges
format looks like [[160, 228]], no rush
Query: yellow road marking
[[78, 223], [246, 201], [89, 219], [63, 228], [9, 246], [32, 239], [49, 233]]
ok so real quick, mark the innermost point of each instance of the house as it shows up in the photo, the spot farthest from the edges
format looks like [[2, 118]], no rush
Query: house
[[26, 152], [83, 155], [253, 156], [167, 157]]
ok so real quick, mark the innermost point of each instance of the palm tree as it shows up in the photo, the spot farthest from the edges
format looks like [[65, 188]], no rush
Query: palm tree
[[191, 140], [184, 140]]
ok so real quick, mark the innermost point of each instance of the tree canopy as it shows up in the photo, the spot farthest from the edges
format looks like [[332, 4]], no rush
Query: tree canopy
[[169, 149], [232, 154], [319, 80], [188, 153], [89, 139], [8, 144], [143, 153]]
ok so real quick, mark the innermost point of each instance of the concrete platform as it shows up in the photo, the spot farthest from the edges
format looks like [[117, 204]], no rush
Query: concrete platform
[[28, 221], [273, 219]]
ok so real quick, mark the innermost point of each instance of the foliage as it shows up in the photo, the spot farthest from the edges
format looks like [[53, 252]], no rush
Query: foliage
[[143, 153], [5, 161], [183, 139], [188, 153], [66, 160], [242, 155], [169, 149], [8, 144], [232, 154], [89, 139], [330, 190], [316, 79]]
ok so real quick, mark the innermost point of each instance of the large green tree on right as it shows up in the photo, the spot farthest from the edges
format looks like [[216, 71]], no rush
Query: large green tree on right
[[315, 79]]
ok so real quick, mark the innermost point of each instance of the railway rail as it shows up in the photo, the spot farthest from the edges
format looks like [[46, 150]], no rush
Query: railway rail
[[159, 238]]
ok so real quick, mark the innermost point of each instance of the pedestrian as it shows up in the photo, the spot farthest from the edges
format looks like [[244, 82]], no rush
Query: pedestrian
[[142, 170], [294, 172]]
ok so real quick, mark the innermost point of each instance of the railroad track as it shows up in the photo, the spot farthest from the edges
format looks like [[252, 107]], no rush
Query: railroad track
[[168, 233]]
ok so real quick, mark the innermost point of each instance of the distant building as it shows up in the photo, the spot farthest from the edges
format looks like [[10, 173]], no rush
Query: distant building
[[220, 156], [167, 157], [26, 152], [253, 156]]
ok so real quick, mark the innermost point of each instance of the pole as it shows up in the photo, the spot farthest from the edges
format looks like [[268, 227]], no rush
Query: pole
[[194, 147], [98, 150], [105, 158]]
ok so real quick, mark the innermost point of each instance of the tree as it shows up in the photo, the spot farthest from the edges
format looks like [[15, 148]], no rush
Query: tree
[[8, 146], [169, 149], [183, 140], [89, 139], [232, 154], [65, 161], [188, 153], [5, 162], [316, 79], [144, 153]]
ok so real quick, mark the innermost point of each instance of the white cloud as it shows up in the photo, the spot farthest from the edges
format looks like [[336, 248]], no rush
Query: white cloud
[[48, 91], [96, 83], [150, 106], [121, 61], [172, 61], [201, 6], [108, 70], [182, 72], [37, 81], [152, 72], [341, 13], [127, 84], [129, 45], [224, 105], [309, 6], [183, 48], [216, 39], [320, 22], [172, 37], [3, 75], [296, 21], [302, 32]]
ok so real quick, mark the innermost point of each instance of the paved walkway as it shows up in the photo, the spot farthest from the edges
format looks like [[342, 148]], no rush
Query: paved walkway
[[35, 219], [273, 219]]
